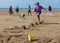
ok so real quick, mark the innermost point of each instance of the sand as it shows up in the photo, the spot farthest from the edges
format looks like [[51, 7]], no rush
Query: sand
[[12, 31]]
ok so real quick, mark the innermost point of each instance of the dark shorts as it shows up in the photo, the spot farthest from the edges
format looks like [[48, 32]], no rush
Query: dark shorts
[[29, 10]]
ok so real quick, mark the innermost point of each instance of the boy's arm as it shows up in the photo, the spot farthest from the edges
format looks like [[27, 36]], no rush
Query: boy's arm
[[43, 8]]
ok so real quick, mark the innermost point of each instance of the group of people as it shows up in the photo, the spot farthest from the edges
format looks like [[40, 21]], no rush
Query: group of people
[[37, 10], [11, 10], [17, 10]]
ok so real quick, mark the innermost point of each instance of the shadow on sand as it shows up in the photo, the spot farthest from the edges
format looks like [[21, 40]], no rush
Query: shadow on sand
[[35, 40], [50, 23]]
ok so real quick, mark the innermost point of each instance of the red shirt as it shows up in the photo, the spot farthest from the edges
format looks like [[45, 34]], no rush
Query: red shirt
[[10, 9]]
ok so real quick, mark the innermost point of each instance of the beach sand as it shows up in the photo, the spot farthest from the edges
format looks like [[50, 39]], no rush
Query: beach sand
[[12, 31]]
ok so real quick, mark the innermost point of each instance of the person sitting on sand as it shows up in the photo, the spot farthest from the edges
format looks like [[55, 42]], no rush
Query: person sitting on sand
[[10, 10], [49, 10], [37, 9], [29, 10], [17, 10]]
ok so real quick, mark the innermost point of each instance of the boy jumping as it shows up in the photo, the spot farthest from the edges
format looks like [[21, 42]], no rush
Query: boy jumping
[[38, 11]]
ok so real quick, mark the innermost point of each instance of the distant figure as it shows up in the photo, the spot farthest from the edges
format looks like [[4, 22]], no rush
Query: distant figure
[[38, 11], [49, 10], [17, 10], [29, 10], [10, 10]]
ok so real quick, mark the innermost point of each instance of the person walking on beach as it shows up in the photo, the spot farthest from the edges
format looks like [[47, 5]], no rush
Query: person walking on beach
[[38, 11], [10, 10], [17, 10], [49, 10], [29, 10]]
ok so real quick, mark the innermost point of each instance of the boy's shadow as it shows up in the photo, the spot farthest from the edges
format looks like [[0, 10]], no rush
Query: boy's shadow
[[49, 23]]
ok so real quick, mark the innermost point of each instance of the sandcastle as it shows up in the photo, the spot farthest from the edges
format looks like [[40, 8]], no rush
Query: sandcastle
[[36, 23]]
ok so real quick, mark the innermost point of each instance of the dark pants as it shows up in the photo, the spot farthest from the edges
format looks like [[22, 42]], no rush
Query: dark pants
[[29, 12], [17, 12]]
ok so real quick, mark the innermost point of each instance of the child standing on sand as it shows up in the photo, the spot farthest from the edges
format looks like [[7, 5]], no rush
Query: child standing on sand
[[29, 10], [49, 10], [10, 10], [38, 10], [17, 10]]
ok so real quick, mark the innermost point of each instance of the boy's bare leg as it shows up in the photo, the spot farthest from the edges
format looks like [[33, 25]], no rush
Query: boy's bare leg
[[38, 18]]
